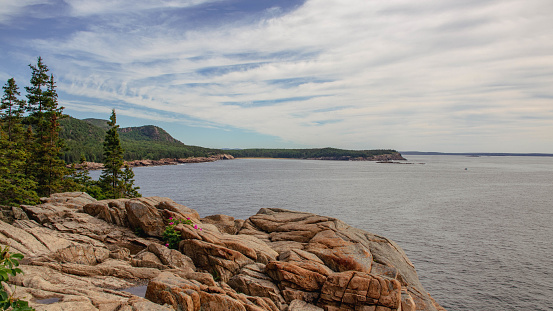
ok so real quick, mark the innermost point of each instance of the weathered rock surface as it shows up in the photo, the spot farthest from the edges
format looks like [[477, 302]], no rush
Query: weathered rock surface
[[83, 254]]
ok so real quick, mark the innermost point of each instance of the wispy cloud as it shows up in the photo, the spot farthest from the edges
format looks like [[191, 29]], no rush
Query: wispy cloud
[[101, 7], [443, 75], [12, 9]]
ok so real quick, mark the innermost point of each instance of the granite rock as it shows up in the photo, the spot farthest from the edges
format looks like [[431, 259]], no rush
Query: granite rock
[[83, 254]]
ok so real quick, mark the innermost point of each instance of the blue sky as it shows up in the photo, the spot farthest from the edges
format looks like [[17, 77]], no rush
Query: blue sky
[[429, 75]]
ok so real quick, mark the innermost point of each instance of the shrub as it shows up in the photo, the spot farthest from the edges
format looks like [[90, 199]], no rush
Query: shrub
[[8, 266], [172, 237]]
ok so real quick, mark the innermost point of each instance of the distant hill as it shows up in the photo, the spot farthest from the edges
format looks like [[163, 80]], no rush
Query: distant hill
[[147, 132], [143, 142], [103, 124]]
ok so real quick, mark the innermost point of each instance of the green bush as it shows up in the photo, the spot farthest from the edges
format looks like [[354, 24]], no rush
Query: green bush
[[8, 266], [172, 237]]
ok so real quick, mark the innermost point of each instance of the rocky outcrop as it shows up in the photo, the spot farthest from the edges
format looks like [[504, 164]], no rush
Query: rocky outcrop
[[83, 254]]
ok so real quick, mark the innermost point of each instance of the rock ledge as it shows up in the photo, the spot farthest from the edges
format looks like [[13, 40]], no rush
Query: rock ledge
[[83, 254]]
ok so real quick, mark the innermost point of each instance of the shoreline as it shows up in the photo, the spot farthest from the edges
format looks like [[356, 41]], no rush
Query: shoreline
[[382, 158], [161, 162]]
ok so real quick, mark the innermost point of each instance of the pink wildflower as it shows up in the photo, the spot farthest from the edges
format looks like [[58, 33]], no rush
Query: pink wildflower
[[188, 218], [171, 223], [200, 229], [195, 226], [170, 218], [167, 244]]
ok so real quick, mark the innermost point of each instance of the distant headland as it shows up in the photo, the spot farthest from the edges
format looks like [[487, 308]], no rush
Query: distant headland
[[479, 154], [151, 145]]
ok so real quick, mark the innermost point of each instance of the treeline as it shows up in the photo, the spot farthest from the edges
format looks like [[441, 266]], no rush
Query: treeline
[[86, 137], [31, 162], [321, 153]]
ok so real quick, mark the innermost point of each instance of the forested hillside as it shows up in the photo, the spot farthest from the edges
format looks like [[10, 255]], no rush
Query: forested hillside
[[153, 143], [86, 137]]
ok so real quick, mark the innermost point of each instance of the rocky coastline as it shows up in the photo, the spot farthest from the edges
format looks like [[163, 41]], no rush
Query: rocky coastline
[[381, 158], [165, 161], [83, 254]]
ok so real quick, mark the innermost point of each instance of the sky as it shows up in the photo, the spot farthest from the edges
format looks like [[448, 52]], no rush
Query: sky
[[426, 75]]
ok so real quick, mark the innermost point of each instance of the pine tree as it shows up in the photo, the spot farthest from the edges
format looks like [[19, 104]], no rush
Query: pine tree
[[12, 110], [129, 190], [15, 185], [37, 93], [48, 169], [115, 182]]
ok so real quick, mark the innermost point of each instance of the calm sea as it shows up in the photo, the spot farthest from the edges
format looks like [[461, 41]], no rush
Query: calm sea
[[478, 229]]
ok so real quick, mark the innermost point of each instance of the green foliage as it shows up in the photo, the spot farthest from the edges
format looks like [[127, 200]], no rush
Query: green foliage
[[47, 168], [115, 182], [170, 236], [30, 159], [216, 275], [110, 180], [79, 179], [127, 180], [319, 153], [140, 232], [11, 111], [16, 185], [145, 142], [8, 267], [82, 138]]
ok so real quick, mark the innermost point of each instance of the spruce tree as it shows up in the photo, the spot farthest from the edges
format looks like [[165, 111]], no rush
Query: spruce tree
[[48, 169], [129, 190], [115, 182], [12, 110], [15, 185], [37, 94]]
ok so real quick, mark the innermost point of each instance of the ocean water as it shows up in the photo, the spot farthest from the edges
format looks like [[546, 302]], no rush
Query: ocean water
[[479, 230]]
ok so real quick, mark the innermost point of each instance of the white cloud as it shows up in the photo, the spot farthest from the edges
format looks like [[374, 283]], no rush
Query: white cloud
[[11, 9], [100, 7], [405, 74]]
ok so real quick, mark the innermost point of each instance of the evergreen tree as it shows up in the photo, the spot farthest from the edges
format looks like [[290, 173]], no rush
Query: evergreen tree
[[114, 182], [12, 110], [79, 179], [15, 186], [129, 190], [48, 169]]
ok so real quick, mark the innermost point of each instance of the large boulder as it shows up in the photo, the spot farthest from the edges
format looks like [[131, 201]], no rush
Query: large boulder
[[222, 262], [339, 254], [357, 289], [253, 281], [225, 224], [82, 254], [147, 216]]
